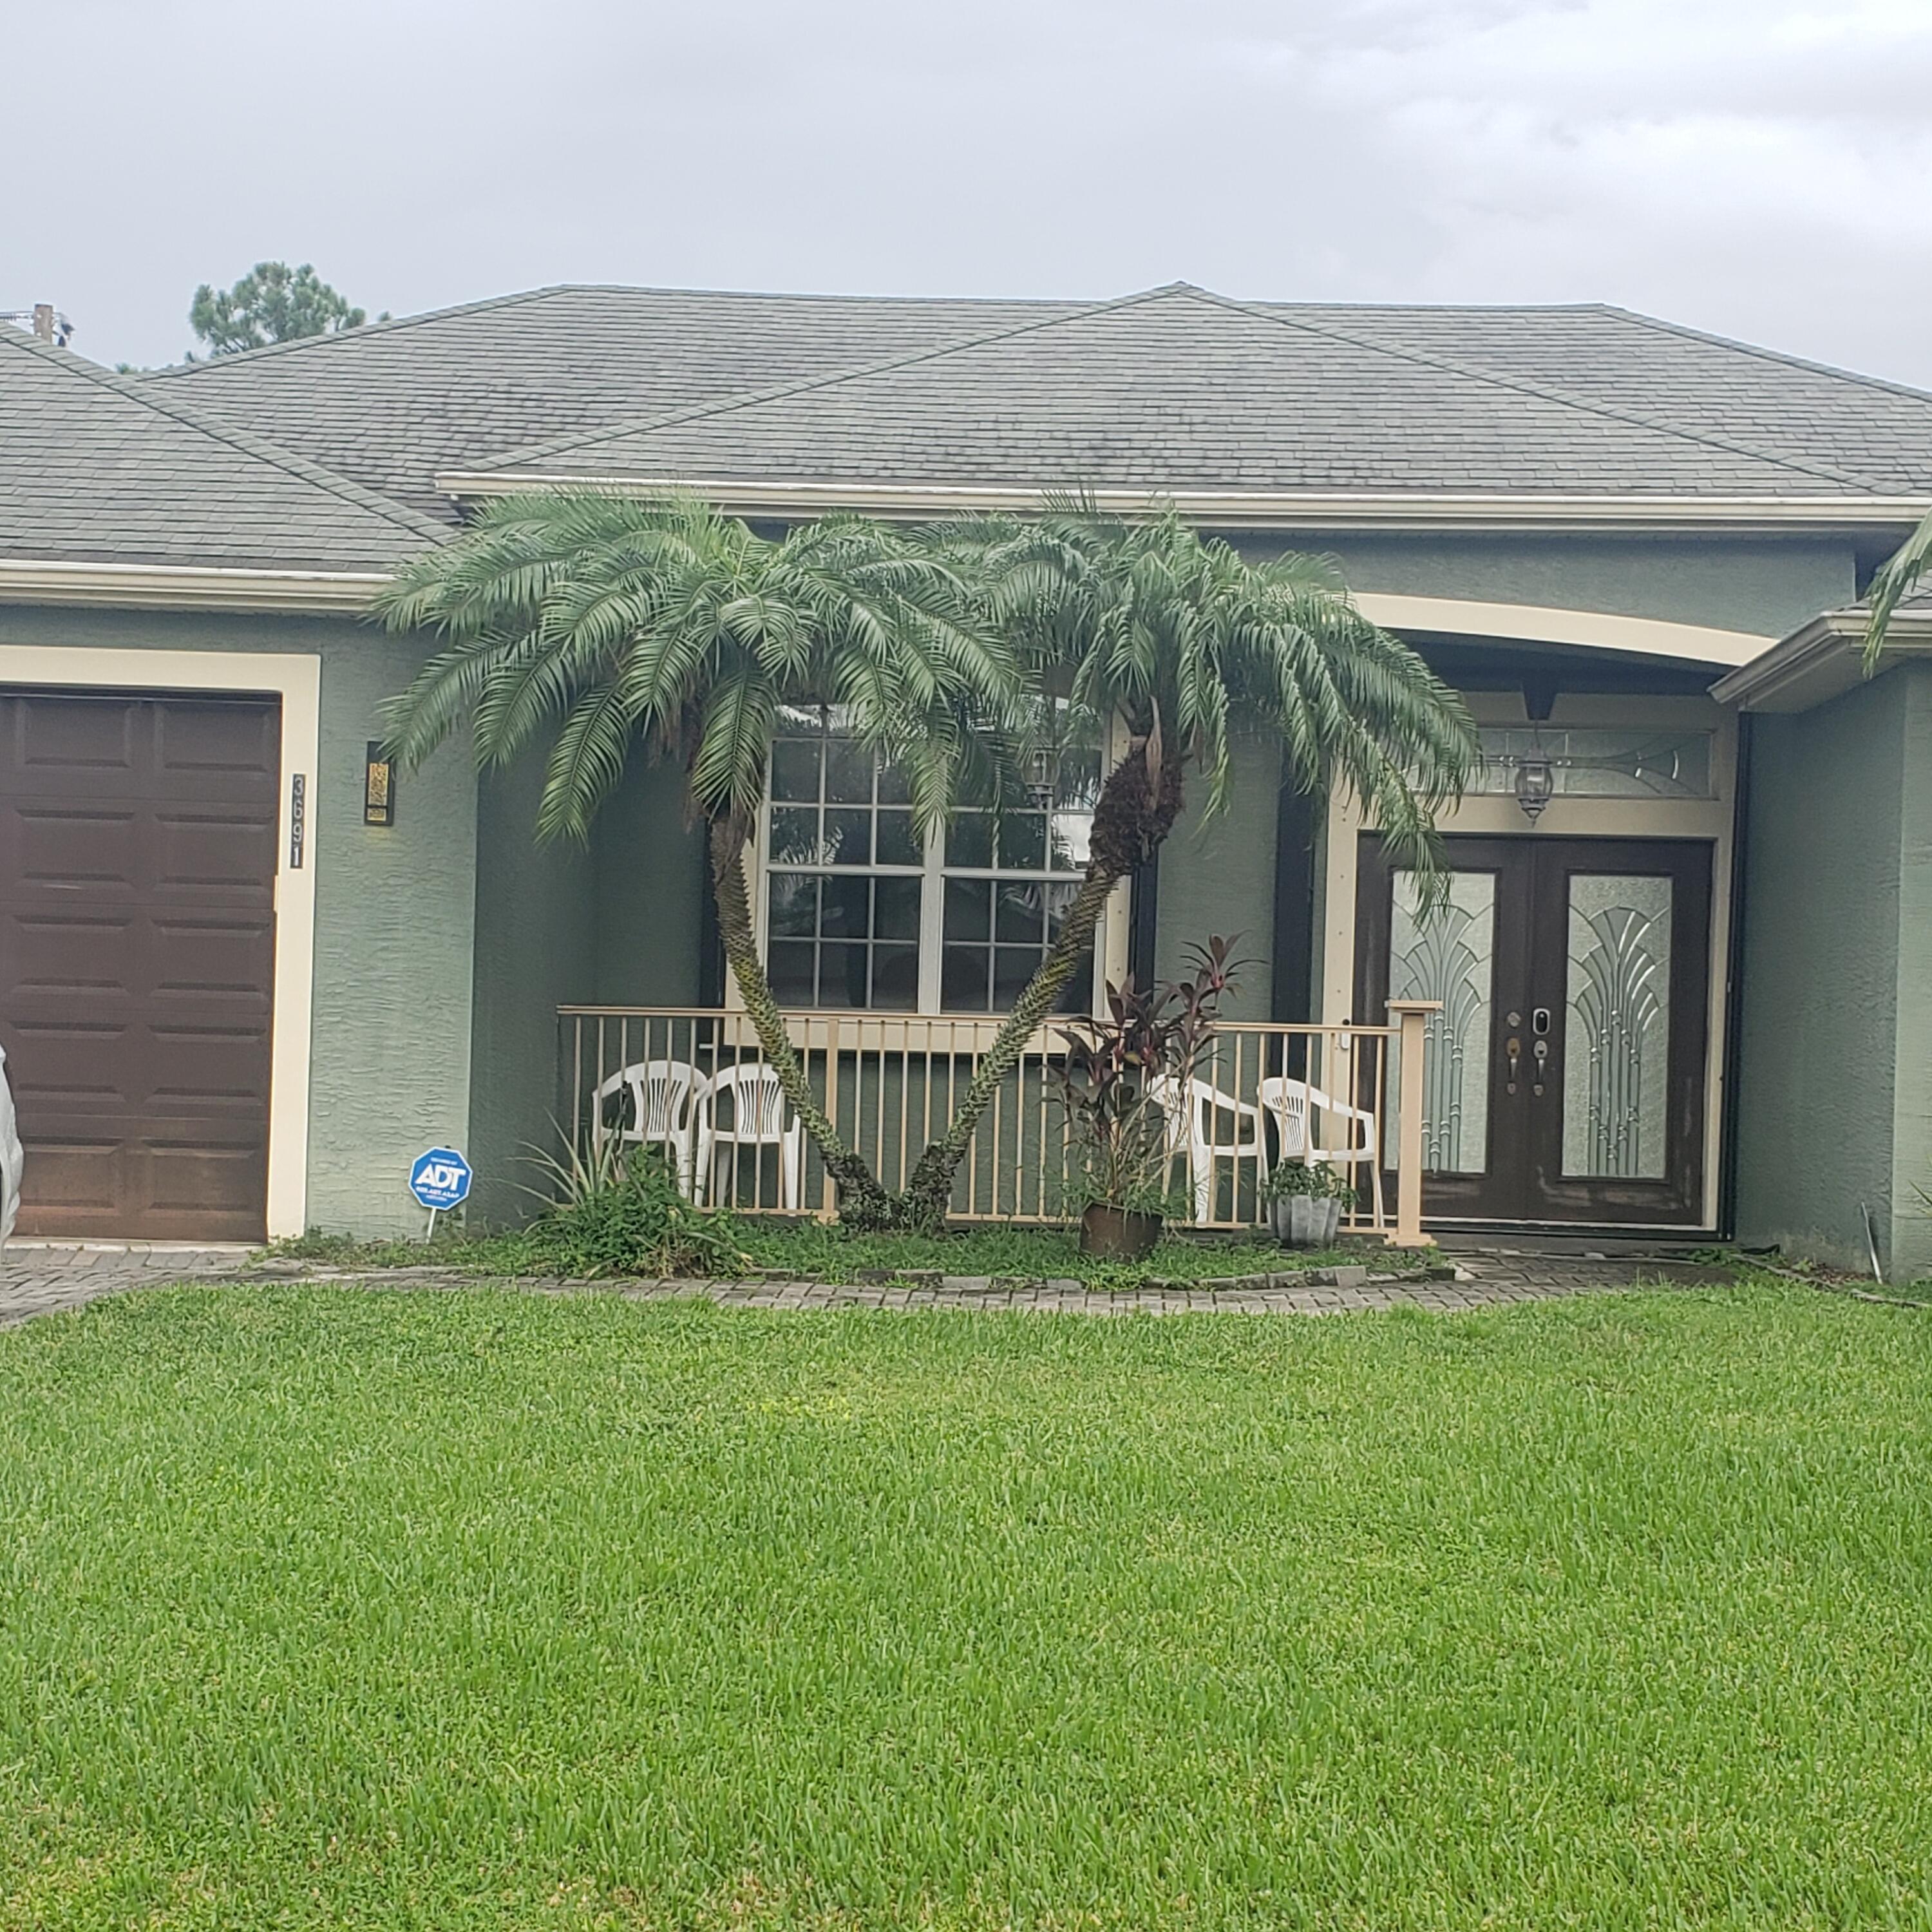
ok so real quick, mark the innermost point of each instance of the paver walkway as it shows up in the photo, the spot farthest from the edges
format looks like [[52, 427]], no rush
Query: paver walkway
[[36, 1278]]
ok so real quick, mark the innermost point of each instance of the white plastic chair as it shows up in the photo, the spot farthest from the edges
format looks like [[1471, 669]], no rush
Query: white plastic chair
[[663, 1094], [1191, 1109], [1290, 1104], [758, 1120]]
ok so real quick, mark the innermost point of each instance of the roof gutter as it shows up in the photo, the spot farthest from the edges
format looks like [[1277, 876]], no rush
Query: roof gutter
[[1243, 509], [1822, 660], [167, 586]]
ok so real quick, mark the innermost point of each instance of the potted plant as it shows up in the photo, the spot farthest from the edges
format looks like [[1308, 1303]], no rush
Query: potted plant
[[1304, 1201], [1109, 1085]]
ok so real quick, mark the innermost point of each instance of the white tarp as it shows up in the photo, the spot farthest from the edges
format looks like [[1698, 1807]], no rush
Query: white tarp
[[11, 1158]]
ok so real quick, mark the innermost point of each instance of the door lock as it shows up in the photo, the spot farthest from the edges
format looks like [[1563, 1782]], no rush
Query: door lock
[[1539, 1022]]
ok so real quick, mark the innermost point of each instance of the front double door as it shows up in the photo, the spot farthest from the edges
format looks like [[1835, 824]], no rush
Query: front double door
[[1565, 1077]]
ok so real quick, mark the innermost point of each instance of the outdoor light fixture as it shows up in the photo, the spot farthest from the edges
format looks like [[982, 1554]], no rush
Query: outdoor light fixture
[[378, 787], [1535, 781]]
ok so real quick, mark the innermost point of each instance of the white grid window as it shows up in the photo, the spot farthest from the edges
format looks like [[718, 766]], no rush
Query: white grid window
[[860, 912]]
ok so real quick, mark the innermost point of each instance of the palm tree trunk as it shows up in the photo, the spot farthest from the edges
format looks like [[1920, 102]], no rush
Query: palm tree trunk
[[1135, 812], [862, 1201]]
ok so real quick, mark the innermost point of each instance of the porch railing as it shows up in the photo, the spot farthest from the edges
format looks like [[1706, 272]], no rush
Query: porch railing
[[692, 1079]]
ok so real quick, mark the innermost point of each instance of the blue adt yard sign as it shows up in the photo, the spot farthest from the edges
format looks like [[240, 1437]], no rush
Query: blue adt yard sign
[[440, 1179]]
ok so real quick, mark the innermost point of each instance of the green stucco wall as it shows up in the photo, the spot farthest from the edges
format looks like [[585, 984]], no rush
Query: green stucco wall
[[1833, 1098], [1217, 875], [613, 923], [390, 1068]]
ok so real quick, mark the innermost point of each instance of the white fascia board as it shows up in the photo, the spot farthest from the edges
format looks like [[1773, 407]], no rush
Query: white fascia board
[[152, 587], [1242, 509], [1820, 661]]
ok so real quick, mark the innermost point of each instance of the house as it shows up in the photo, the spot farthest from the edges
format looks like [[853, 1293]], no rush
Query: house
[[1684, 971]]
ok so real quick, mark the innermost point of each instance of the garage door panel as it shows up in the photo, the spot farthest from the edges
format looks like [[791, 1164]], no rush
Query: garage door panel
[[204, 740], [206, 959], [65, 851], [61, 742], [138, 851], [206, 856], [61, 954]]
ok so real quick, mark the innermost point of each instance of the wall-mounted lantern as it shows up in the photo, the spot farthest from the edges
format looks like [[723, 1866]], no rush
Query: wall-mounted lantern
[[379, 786]]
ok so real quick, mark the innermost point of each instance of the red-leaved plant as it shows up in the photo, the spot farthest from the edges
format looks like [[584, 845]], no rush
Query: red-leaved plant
[[1106, 1083]]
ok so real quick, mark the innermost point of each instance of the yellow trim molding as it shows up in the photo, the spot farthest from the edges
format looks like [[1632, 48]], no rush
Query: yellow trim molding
[[168, 586], [295, 678]]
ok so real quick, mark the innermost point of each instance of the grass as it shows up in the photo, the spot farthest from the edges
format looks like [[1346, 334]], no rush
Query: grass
[[480, 1610], [816, 1251]]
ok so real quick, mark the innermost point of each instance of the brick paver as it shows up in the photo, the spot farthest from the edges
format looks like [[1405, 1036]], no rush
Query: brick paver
[[38, 1278]]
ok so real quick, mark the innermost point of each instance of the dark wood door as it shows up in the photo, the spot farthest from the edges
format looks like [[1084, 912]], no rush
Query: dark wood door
[[138, 847], [1566, 1072]]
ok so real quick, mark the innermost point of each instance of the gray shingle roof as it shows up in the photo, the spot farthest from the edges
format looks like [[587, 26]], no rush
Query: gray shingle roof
[[394, 403], [1175, 388], [94, 469], [1179, 389]]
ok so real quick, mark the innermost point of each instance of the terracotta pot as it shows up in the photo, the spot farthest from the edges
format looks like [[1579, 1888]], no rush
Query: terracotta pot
[[1305, 1220], [1116, 1235]]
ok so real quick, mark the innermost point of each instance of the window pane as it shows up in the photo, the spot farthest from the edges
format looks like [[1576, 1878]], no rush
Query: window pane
[[893, 787], [1072, 833], [848, 839], [895, 977], [1013, 966], [895, 908], [898, 845], [1077, 995], [969, 909], [1059, 902], [969, 841], [795, 768], [848, 772], [1023, 841], [1022, 915], [962, 979], [789, 970], [794, 905], [795, 835], [847, 908], [841, 975], [1616, 1036]]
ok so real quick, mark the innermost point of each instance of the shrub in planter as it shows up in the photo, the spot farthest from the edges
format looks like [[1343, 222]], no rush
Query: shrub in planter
[[1116, 1128], [1304, 1201]]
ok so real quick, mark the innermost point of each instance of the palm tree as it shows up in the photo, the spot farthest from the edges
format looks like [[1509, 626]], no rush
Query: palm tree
[[663, 624], [1895, 580], [1184, 639]]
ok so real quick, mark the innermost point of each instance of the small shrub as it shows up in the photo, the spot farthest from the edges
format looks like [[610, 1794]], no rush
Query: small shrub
[[1317, 1181], [623, 1213]]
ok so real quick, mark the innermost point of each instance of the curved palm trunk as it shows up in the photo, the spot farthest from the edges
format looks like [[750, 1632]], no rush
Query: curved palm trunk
[[862, 1200], [1135, 812]]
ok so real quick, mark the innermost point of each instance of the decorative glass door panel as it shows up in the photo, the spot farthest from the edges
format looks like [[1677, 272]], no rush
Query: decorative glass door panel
[[1616, 1025], [1565, 1080], [1445, 951]]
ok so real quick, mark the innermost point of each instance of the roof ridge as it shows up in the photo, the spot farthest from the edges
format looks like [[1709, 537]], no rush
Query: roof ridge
[[1581, 403], [745, 398], [548, 290], [258, 448], [1765, 355], [196, 365]]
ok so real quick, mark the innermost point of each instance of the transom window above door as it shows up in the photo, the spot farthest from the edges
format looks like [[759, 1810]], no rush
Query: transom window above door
[[860, 911]]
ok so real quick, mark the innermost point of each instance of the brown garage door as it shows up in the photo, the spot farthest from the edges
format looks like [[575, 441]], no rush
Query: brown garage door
[[137, 868]]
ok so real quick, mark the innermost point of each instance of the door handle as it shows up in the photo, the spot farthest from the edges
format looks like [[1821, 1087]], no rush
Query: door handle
[[1541, 1050], [1514, 1051]]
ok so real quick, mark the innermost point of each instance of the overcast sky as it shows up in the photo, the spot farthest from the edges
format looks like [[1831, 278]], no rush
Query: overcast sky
[[1756, 167]]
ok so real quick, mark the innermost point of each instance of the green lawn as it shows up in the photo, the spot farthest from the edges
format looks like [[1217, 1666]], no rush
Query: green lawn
[[471, 1609]]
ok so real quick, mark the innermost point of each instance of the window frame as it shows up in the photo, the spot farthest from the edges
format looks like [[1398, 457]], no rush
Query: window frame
[[1111, 938]]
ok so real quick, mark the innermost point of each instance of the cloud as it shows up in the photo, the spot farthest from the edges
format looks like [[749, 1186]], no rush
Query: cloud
[[1756, 167]]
